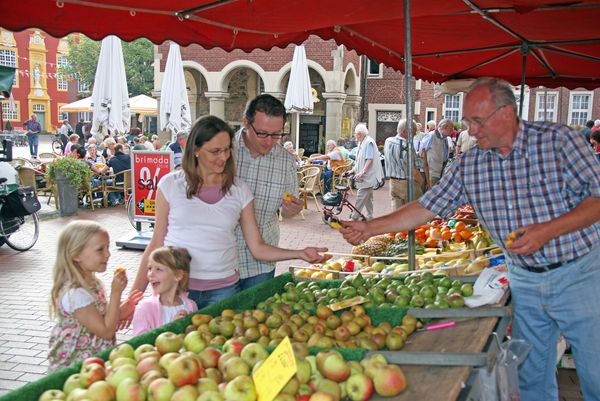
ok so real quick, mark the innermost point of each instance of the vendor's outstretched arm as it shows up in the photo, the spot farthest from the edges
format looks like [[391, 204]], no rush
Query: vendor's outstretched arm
[[406, 218]]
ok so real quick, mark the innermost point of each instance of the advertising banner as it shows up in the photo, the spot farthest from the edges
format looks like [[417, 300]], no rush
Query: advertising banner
[[148, 167]]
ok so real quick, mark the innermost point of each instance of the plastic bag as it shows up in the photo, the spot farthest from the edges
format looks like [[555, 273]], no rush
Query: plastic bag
[[512, 353], [489, 287]]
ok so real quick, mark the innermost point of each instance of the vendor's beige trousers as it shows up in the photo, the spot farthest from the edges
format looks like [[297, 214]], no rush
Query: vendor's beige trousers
[[399, 192]]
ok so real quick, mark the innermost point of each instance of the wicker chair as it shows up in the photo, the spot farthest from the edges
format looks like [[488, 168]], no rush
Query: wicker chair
[[119, 182], [309, 185]]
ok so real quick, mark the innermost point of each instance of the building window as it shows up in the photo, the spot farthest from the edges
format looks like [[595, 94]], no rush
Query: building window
[[452, 107], [82, 86], [546, 106], [61, 80], [61, 115], [39, 107], [8, 58], [10, 113], [85, 115], [580, 107], [374, 68]]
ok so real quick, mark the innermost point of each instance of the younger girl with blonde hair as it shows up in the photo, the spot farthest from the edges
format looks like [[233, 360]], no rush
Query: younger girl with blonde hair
[[168, 274], [86, 321]]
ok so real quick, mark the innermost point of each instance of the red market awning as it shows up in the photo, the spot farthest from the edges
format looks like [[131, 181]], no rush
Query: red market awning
[[451, 39]]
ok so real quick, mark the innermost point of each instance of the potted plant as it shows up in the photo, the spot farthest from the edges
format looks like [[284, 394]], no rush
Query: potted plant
[[70, 174]]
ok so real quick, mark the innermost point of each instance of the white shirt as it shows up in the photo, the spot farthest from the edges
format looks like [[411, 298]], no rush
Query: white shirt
[[205, 230], [169, 312], [76, 298]]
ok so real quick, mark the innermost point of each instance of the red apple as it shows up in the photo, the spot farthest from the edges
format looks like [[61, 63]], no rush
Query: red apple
[[359, 387], [147, 364], [233, 345], [209, 357], [235, 367], [92, 359], [101, 391], [91, 373], [161, 389], [130, 390], [322, 396], [169, 342], [389, 381], [184, 370], [332, 365], [194, 342]]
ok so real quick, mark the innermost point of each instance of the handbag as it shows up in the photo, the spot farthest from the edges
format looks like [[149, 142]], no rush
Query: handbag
[[20, 202]]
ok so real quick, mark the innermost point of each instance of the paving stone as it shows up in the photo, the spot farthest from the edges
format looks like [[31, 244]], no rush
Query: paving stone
[[24, 367], [14, 337], [31, 360], [11, 384], [10, 374], [31, 377], [23, 352], [7, 365]]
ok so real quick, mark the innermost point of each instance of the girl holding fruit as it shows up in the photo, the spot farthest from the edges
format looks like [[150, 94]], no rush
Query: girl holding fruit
[[86, 322], [168, 274], [199, 208]]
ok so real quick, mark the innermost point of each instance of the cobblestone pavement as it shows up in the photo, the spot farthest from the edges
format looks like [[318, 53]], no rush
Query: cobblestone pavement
[[26, 278]]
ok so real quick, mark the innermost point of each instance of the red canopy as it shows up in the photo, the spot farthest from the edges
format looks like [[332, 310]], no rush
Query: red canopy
[[450, 38]]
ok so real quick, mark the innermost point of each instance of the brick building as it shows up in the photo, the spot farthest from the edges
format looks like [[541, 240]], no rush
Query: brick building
[[38, 88], [221, 83]]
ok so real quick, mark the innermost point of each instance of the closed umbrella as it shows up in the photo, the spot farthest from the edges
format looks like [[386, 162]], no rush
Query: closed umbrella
[[174, 104], [110, 99], [298, 97]]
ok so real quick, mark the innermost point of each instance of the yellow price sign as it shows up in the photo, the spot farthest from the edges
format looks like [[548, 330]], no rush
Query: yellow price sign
[[149, 206], [346, 303], [275, 372]]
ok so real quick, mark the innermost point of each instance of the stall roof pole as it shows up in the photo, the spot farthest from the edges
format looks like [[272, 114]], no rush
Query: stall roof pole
[[524, 52], [409, 118]]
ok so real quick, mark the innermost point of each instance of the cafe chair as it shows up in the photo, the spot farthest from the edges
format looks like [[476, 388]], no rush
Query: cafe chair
[[310, 185], [119, 182]]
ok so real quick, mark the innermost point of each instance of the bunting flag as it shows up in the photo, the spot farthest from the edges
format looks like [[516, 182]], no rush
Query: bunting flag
[[7, 76]]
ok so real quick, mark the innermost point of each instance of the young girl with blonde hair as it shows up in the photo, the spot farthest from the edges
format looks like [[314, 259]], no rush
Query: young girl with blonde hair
[[168, 274], [86, 321]]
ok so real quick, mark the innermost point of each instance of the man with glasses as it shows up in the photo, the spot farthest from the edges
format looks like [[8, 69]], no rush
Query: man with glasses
[[540, 182], [270, 172]]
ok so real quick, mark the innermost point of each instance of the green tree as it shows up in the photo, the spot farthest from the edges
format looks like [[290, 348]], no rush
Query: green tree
[[137, 56]]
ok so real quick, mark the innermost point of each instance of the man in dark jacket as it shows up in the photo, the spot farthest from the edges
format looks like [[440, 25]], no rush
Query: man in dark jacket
[[119, 162]]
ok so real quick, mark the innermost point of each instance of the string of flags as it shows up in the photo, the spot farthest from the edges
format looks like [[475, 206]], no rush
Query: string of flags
[[49, 75]]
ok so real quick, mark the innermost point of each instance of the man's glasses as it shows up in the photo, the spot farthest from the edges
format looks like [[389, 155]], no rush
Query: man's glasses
[[480, 122], [265, 134]]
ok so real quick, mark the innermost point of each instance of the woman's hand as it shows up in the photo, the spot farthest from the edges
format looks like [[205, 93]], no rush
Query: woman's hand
[[313, 255]]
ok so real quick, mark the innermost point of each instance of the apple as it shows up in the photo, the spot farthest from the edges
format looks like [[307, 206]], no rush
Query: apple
[[122, 351], [194, 342], [252, 353], [72, 383], [300, 349], [122, 361], [322, 396], [184, 370], [389, 381], [284, 397], [101, 391], [130, 390], [312, 360], [168, 342], [342, 333], [121, 373], [167, 359], [209, 357], [185, 393], [147, 364], [51, 395], [368, 361], [214, 374], [332, 365], [223, 360], [240, 388], [291, 387], [92, 359], [234, 345], [161, 389], [359, 387], [149, 377], [78, 394], [235, 367], [91, 373], [331, 387], [303, 370], [143, 349], [394, 341], [355, 367], [210, 396], [148, 354], [199, 319], [206, 384], [273, 321]]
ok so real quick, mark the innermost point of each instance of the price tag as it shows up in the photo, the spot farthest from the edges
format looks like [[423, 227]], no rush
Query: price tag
[[346, 303], [275, 372]]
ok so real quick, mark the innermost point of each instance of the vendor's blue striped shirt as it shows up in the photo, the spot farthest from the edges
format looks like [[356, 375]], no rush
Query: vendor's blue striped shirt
[[549, 171]]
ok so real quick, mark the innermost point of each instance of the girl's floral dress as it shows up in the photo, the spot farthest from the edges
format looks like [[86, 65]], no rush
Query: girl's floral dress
[[71, 342]]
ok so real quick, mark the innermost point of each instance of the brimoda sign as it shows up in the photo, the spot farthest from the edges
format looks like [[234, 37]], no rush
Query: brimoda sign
[[148, 168]]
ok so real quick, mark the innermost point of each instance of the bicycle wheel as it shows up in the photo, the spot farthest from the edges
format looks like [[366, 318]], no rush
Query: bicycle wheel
[[23, 236], [56, 146]]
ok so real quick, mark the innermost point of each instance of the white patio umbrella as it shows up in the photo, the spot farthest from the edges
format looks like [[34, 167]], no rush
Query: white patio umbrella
[[142, 104], [110, 99], [298, 97], [80, 106], [174, 104]]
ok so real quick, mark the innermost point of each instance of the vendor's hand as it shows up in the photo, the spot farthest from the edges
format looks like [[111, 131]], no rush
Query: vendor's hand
[[529, 239], [314, 255], [355, 232], [128, 307], [291, 207]]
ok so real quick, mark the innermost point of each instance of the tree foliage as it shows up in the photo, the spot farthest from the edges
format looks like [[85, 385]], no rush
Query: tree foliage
[[137, 56]]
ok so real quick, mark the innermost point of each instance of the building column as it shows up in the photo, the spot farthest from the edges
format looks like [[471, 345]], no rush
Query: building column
[[353, 102], [216, 103], [333, 116]]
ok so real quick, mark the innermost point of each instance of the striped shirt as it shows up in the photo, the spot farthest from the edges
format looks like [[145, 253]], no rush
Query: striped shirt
[[396, 157], [269, 177], [549, 171]]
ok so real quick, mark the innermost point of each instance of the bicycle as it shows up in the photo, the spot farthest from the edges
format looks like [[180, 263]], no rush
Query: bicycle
[[334, 202], [57, 145], [19, 231]]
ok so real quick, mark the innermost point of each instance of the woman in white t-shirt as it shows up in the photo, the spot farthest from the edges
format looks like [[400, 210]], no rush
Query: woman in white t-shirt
[[199, 207]]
